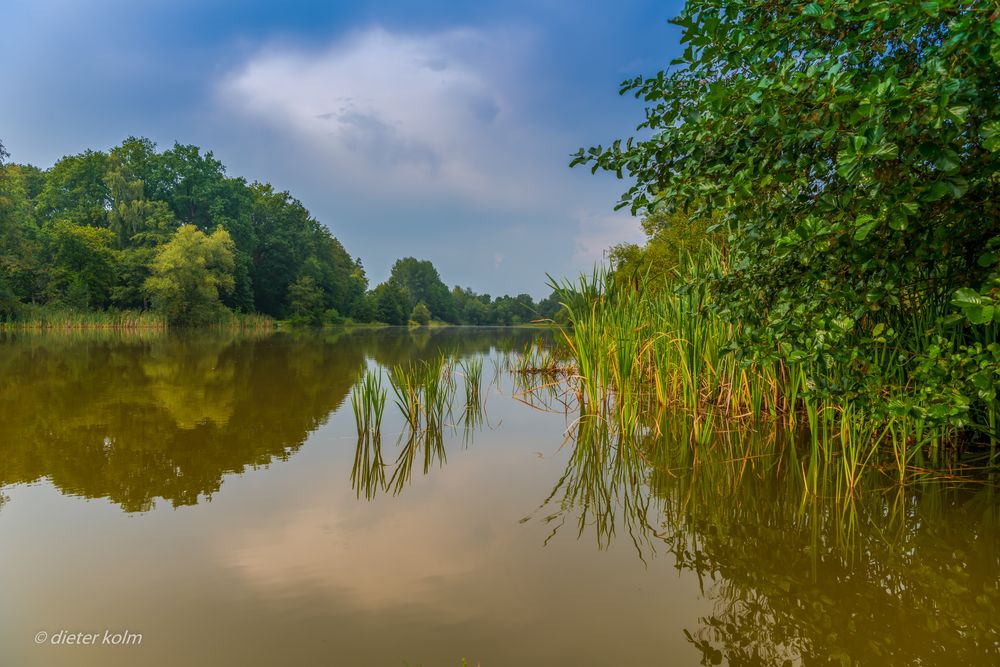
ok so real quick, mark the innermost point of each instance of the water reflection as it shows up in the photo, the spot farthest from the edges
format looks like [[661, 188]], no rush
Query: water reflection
[[136, 420], [888, 575], [793, 570], [133, 418], [425, 395]]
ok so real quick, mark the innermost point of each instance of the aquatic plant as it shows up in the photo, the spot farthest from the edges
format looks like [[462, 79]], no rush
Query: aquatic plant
[[368, 470], [424, 391], [67, 319], [368, 401], [635, 351]]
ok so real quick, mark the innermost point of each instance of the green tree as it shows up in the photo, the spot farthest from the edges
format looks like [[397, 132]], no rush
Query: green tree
[[9, 302], [19, 261], [199, 193], [306, 301], [190, 275], [77, 294], [421, 314], [670, 237], [462, 300], [551, 308], [391, 305], [75, 190], [357, 302], [420, 281], [524, 308], [852, 150], [82, 264], [135, 265], [141, 196], [132, 217], [290, 242]]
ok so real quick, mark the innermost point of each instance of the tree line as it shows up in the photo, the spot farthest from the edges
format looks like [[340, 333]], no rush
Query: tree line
[[135, 228]]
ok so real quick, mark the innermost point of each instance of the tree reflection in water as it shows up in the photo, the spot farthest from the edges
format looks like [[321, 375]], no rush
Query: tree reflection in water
[[134, 417], [887, 575], [798, 570]]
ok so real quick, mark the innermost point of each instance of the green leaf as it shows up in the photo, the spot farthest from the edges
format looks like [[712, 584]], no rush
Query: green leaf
[[957, 186], [886, 151], [980, 315], [966, 297], [990, 132], [813, 9], [947, 161], [977, 308], [937, 190], [796, 356], [981, 381], [958, 113], [862, 232]]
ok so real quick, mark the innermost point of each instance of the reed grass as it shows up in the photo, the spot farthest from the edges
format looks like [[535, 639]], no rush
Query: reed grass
[[424, 392], [50, 318], [368, 401], [44, 318], [640, 352], [368, 470], [472, 414]]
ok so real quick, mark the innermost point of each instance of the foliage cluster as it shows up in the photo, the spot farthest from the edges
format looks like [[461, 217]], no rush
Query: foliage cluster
[[670, 237], [848, 152], [414, 283], [135, 228]]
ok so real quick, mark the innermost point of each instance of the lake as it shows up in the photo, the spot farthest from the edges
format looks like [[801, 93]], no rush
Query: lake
[[206, 499]]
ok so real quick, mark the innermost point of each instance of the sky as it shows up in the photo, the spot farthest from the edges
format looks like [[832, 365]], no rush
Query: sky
[[436, 130]]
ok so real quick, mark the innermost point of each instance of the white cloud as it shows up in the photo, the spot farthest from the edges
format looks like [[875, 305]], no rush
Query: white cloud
[[415, 115], [596, 234]]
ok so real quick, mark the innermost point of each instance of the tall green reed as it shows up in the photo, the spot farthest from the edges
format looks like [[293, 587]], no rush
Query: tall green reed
[[636, 350]]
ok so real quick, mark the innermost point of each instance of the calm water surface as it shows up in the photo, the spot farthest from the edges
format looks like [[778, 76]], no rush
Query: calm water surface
[[208, 493]]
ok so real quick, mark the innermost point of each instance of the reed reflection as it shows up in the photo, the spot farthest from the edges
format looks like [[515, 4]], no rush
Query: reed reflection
[[802, 564], [425, 396], [139, 416]]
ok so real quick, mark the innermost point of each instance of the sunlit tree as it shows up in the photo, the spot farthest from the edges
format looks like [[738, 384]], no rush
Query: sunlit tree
[[191, 273]]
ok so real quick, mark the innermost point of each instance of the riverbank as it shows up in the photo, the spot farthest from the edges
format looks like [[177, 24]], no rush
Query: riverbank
[[639, 353], [46, 318]]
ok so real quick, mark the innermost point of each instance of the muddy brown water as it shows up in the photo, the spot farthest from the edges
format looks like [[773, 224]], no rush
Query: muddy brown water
[[203, 498]]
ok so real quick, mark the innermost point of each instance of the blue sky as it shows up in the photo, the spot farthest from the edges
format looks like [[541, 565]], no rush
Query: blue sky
[[433, 129]]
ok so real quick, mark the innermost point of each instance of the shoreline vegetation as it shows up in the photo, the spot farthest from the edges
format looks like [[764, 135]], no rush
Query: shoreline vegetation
[[53, 319], [135, 235], [634, 377], [41, 318], [822, 209]]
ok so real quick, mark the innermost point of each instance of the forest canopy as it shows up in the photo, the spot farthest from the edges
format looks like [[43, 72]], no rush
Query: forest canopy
[[137, 229]]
